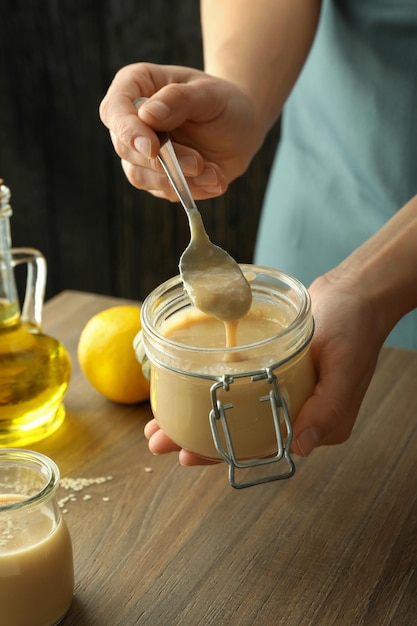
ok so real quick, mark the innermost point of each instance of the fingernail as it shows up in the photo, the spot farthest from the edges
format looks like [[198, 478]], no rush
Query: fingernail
[[208, 178], [308, 440], [143, 145], [188, 165], [216, 190], [157, 109]]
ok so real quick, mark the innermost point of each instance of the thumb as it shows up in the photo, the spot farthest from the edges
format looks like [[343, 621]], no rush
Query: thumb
[[176, 103], [319, 423], [328, 416]]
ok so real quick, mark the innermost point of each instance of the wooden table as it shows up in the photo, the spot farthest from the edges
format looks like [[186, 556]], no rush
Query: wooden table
[[163, 545]]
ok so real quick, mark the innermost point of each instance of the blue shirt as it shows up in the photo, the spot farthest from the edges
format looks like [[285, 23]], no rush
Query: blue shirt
[[347, 158]]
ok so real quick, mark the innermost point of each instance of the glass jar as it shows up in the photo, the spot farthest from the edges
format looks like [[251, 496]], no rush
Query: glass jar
[[235, 403], [36, 562]]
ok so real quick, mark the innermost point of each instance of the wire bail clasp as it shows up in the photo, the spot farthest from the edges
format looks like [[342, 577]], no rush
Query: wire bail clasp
[[279, 409]]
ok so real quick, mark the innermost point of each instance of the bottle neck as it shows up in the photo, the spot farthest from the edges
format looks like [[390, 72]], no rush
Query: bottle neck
[[9, 304]]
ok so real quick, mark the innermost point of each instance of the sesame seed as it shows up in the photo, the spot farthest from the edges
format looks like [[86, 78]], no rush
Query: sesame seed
[[75, 485]]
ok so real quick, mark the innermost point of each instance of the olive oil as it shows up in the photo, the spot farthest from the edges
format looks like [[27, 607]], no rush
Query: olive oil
[[34, 375]]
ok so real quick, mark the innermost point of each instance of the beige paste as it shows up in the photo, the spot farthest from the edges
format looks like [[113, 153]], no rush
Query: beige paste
[[181, 403], [36, 567]]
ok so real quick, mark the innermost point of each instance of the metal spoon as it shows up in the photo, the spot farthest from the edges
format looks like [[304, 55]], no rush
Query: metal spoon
[[212, 278]]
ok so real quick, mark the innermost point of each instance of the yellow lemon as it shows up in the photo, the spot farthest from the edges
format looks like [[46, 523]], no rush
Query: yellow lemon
[[107, 358]]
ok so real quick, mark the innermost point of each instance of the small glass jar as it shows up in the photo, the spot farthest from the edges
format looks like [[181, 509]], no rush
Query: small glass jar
[[231, 403], [36, 561]]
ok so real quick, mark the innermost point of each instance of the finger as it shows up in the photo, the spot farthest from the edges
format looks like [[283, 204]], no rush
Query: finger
[[159, 443], [149, 180], [119, 114], [189, 459], [191, 162], [150, 428], [123, 122], [208, 184]]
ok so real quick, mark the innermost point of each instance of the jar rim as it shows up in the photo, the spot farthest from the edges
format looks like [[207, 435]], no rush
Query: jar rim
[[50, 472], [301, 318]]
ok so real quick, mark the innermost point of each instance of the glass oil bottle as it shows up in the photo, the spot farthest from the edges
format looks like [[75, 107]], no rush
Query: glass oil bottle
[[35, 369]]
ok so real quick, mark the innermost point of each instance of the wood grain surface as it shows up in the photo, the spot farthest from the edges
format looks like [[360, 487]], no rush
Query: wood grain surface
[[334, 545]]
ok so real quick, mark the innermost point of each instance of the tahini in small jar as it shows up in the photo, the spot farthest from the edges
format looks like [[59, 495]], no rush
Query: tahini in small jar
[[36, 561], [234, 404]]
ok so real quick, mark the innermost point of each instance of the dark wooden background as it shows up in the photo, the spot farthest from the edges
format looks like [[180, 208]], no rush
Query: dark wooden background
[[69, 194]]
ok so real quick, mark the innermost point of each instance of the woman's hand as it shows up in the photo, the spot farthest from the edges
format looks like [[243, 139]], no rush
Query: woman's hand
[[211, 122], [345, 350], [355, 306]]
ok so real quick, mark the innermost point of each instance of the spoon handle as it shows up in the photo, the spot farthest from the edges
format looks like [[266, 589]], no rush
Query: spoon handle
[[169, 162]]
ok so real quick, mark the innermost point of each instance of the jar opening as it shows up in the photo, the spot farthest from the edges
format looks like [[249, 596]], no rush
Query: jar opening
[[28, 474], [279, 299]]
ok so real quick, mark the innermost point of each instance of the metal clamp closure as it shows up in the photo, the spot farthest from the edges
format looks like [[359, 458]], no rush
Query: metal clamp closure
[[279, 410]]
